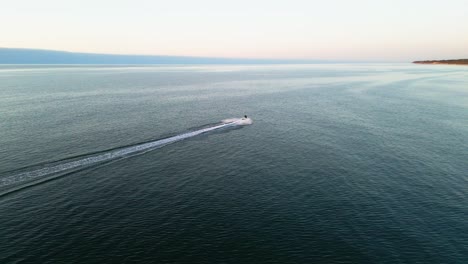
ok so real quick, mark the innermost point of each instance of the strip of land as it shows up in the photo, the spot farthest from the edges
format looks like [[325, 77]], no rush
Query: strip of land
[[36, 56], [452, 62]]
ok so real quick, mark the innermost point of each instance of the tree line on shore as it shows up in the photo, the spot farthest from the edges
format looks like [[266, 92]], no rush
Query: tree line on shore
[[460, 61]]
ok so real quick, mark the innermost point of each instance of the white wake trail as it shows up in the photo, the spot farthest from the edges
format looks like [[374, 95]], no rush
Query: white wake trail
[[44, 173]]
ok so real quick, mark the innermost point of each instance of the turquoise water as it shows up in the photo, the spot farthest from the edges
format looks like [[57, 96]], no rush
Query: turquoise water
[[363, 163]]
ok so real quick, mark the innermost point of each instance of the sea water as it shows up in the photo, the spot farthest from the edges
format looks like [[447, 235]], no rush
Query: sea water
[[344, 163]]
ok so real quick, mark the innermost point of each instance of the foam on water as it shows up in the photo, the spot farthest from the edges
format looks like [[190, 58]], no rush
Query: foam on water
[[238, 121], [52, 171]]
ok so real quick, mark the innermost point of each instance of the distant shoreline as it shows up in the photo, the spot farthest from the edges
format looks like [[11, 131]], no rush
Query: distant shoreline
[[449, 62], [38, 56]]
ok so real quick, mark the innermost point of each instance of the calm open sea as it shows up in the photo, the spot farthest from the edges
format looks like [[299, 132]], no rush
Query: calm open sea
[[344, 163]]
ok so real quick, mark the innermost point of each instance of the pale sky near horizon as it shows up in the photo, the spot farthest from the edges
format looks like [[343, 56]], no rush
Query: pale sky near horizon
[[366, 30]]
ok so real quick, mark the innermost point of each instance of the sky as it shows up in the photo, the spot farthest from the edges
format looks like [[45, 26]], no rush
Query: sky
[[359, 30]]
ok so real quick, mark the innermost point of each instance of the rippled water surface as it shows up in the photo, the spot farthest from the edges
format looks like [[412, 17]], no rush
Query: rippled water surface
[[364, 163]]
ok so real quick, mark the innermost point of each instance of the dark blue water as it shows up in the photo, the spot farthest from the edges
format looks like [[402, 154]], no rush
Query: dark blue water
[[363, 163]]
